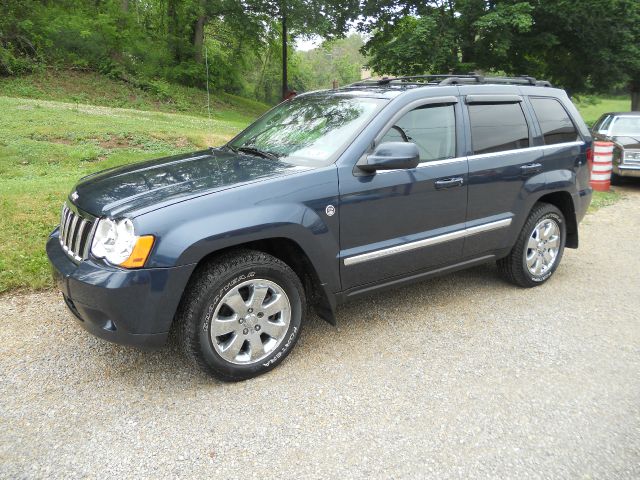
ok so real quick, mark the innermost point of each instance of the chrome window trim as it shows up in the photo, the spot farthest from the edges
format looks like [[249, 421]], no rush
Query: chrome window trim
[[444, 161], [526, 149], [447, 237], [447, 161]]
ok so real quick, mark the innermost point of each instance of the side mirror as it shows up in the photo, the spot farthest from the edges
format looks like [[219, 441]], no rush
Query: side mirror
[[391, 156]]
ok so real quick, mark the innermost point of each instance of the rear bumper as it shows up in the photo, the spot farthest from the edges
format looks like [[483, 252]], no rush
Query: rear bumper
[[130, 307]]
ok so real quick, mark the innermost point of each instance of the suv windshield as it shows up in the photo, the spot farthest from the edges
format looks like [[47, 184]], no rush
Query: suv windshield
[[308, 130]]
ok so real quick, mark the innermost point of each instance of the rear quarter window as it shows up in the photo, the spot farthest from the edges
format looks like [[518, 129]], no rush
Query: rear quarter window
[[555, 123]]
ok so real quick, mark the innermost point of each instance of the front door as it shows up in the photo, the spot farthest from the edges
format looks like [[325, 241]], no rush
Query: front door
[[400, 221]]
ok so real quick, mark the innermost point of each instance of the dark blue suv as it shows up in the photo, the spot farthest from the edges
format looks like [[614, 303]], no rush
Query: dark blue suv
[[329, 195]]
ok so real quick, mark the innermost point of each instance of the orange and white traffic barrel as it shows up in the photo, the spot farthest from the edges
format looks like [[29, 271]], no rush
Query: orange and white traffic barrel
[[601, 166]]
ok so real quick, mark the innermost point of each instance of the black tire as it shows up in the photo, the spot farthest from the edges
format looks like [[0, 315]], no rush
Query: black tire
[[514, 266], [204, 294]]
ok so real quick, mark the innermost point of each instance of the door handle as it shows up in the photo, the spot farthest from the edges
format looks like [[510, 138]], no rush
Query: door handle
[[531, 168], [449, 183]]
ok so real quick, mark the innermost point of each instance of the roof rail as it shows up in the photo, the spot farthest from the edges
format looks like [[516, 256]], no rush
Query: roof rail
[[452, 79]]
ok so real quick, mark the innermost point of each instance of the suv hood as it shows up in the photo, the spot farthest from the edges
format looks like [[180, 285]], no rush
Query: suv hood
[[168, 180]]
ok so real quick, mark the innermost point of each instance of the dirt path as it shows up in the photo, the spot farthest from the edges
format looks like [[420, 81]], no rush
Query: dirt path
[[461, 377]]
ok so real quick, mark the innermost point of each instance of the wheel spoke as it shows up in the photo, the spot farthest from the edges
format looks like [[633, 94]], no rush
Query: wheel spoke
[[532, 244], [553, 242], [221, 326], [257, 298], [537, 268], [236, 303], [531, 260], [275, 306], [233, 347], [548, 257], [274, 330], [257, 347], [544, 231]]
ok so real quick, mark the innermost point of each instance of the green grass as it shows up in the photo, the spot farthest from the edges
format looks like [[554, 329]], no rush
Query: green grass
[[603, 199], [592, 107], [94, 89]]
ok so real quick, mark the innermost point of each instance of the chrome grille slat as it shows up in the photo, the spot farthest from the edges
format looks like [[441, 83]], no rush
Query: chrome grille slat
[[75, 233], [66, 226], [72, 232], [78, 240]]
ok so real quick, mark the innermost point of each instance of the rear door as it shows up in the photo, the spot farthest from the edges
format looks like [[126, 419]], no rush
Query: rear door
[[501, 160], [398, 221]]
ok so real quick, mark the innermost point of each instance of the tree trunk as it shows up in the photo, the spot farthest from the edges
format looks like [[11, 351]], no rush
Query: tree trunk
[[635, 97], [285, 81], [198, 37], [172, 29], [125, 6]]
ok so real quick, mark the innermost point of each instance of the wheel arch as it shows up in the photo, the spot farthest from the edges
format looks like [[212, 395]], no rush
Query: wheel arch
[[290, 252], [564, 202]]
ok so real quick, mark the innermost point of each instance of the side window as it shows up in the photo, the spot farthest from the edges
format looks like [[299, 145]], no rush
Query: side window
[[431, 127], [555, 123], [496, 127]]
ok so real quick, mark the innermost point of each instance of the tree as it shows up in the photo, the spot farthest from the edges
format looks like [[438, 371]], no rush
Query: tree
[[592, 45], [306, 17]]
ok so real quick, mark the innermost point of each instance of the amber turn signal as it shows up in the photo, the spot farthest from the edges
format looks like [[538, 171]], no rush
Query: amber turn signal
[[140, 252]]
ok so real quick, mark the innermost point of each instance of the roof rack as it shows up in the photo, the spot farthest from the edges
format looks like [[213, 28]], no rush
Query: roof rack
[[453, 79]]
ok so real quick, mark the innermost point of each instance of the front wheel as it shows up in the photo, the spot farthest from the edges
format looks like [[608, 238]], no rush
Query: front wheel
[[539, 248], [241, 315]]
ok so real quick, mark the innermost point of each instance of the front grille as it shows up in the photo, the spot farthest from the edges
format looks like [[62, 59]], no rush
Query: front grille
[[631, 157], [75, 233]]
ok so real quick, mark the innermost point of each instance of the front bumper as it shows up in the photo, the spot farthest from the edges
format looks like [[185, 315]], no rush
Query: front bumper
[[130, 307], [626, 170]]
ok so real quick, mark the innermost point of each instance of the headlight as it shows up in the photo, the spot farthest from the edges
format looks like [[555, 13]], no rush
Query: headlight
[[116, 242]]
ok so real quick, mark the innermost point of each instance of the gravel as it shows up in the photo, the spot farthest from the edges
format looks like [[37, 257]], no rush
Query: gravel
[[463, 376]]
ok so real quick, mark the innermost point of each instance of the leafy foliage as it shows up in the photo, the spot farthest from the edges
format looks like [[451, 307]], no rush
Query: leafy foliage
[[154, 41], [592, 45]]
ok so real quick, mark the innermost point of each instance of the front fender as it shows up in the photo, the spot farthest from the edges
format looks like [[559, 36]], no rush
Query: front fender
[[290, 207]]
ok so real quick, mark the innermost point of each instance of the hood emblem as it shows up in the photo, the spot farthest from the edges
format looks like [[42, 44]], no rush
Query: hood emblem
[[74, 196]]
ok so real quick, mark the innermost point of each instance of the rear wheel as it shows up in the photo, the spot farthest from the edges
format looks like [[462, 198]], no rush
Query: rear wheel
[[539, 248], [241, 315]]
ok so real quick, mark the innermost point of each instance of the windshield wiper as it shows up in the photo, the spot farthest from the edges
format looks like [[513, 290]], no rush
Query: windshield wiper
[[255, 151]]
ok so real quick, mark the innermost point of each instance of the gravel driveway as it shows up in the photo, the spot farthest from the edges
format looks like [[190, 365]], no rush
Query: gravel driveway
[[460, 377]]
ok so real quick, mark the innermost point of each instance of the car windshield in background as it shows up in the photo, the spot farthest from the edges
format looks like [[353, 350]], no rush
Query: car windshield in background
[[626, 126], [309, 130]]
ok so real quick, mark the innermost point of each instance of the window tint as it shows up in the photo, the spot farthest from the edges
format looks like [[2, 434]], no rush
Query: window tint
[[431, 128], [497, 127], [555, 123]]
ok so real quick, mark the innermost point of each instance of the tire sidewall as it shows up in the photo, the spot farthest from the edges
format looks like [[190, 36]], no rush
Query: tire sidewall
[[555, 215], [273, 272]]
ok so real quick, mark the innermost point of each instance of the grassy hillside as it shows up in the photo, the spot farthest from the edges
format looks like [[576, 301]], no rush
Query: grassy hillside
[[57, 127], [94, 89]]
